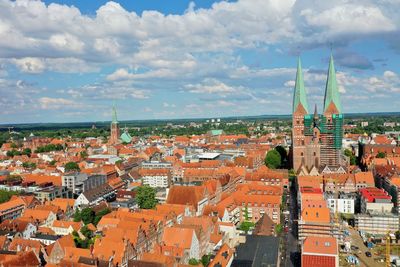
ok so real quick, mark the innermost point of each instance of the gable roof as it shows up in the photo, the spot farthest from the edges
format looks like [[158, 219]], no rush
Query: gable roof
[[186, 195], [36, 214], [178, 237]]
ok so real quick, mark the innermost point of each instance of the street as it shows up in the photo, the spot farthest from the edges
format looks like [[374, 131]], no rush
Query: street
[[292, 255]]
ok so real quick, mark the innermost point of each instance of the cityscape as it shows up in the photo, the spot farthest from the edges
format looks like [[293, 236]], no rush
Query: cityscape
[[246, 133]]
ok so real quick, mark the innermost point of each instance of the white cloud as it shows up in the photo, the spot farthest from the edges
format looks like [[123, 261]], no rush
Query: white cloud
[[198, 51], [49, 103], [30, 65], [32, 29], [210, 86], [348, 18], [120, 74], [290, 83], [107, 91], [66, 42], [64, 65]]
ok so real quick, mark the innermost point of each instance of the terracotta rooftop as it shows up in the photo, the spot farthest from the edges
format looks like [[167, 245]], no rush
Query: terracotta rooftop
[[315, 215], [178, 237], [183, 195], [320, 245]]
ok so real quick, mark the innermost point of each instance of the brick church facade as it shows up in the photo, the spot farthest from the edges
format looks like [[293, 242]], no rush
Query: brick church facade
[[317, 138]]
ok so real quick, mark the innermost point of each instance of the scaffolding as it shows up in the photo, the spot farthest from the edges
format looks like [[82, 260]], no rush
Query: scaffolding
[[331, 137]]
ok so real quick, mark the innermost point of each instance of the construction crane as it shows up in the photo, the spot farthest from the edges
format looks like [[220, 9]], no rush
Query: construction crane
[[388, 240]]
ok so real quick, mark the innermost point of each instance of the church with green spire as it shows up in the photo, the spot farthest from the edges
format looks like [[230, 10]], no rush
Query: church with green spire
[[115, 137], [114, 128], [317, 139]]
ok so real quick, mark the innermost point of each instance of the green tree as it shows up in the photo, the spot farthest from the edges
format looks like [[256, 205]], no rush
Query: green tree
[[27, 151], [52, 163], [77, 216], [13, 152], [193, 261], [87, 215], [146, 197], [84, 154], [278, 228], [205, 260], [381, 155], [71, 166], [282, 151], [273, 159], [86, 232], [29, 165], [246, 226], [6, 195], [349, 154]]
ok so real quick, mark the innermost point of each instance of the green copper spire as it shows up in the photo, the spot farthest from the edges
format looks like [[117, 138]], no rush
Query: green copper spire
[[114, 114], [299, 89], [331, 90]]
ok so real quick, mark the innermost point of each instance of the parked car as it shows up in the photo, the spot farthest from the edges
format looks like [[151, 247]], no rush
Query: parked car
[[368, 254]]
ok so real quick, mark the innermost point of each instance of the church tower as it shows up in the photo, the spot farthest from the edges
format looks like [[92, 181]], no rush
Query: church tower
[[300, 110], [332, 122], [317, 139], [114, 138]]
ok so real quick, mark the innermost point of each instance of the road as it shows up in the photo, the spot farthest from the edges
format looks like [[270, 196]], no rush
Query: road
[[292, 258]]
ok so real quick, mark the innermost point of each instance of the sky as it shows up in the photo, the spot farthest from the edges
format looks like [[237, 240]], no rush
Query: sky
[[70, 61]]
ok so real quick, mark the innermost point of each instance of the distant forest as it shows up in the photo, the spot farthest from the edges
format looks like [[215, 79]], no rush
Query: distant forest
[[231, 125]]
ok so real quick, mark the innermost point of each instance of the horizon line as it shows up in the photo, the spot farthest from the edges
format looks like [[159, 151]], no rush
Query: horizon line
[[181, 119]]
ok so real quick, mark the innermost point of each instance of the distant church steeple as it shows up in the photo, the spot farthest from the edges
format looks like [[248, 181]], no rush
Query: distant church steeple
[[114, 114], [114, 138]]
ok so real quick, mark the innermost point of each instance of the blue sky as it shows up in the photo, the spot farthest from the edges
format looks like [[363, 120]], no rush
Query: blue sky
[[63, 61]]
